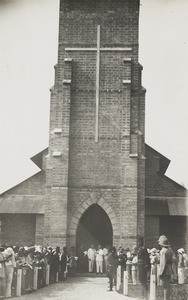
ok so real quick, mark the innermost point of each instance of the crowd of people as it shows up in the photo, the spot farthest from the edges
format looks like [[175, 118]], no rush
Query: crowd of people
[[139, 262]]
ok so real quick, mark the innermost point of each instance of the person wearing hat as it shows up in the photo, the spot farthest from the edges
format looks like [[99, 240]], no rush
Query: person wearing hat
[[165, 266], [10, 264]]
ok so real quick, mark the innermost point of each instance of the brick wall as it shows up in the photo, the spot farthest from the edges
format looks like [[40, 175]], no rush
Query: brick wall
[[84, 166], [39, 230], [175, 228], [18, 229], [152, 231], [32, 186], [157, 184]]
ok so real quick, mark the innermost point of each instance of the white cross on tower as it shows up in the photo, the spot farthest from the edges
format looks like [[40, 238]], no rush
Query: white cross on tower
[[98, 49]]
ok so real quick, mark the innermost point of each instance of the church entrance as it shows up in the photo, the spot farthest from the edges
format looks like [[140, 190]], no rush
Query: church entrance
[[94, 228]]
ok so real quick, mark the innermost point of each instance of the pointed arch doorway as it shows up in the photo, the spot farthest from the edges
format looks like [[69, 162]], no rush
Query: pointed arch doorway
[[94, 228]]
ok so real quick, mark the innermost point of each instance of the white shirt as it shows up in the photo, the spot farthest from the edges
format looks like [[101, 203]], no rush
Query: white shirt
[[91, 254], [105, 251], [99, 255]]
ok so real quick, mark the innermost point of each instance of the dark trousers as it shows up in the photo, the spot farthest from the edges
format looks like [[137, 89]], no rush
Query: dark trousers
[[166, 279], [112, 279], [143, 280]]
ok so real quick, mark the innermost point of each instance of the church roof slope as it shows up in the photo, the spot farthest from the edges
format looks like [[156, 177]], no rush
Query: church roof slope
[[22, 204], [34, 182], [32, 185], [163, 160], [38, 158], [157, 183]]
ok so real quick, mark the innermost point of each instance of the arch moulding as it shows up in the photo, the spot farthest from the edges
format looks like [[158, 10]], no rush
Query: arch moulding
[[93, 199]]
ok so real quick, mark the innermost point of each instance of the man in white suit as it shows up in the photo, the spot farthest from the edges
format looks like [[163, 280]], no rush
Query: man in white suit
[[91, 257], [99, 260]]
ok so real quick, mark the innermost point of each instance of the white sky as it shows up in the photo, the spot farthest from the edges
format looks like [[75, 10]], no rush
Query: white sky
[[28, 52]]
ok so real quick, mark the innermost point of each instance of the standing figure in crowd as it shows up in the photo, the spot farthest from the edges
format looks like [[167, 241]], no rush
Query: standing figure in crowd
[[185, 257], [72, 261], [122, 260], [134, 267], [174, 277], [112, 267], [40, 263], [10, 264], [105, 255], [143, 267], [99, 260], [81, 260], [181, 266], [85, 262], [55, 263], [165, 271], [159, 281], [91, 258], [2, 271], [128, 263], [29, 257], [63, 264], [153, 261]]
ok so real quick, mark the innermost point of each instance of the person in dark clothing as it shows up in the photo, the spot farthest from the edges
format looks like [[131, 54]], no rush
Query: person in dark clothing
[[112, 267], [122, 259], [72, 262], [55, 262], [143, 267], [81, 260]]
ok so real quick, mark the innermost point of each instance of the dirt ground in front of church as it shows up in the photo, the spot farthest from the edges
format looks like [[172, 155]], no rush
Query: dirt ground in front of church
[[77, 288]]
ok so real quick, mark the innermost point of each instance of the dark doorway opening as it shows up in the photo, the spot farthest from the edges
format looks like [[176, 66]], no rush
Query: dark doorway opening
[[94, 228], [175, 228]]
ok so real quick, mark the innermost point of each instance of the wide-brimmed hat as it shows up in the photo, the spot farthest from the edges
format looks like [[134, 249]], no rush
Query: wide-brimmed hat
[[181, 250], [153, 250], [9, 251], [163, 241]]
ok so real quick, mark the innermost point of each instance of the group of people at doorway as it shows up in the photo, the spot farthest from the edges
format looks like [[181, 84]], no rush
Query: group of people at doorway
[[168, 266], [92, 260]]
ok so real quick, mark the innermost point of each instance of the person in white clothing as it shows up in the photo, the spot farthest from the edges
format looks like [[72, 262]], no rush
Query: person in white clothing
[[10, 264], [105, 253], [134, 266], [91, 257], [99, 260]]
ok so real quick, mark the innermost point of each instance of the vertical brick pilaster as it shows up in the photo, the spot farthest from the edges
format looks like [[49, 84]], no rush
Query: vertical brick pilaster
[[57, 161]]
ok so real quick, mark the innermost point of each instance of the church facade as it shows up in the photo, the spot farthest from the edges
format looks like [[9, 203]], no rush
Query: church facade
[[99, 182]]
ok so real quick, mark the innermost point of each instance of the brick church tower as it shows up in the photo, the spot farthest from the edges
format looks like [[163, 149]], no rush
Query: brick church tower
[[98, 182], [95, 167]]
